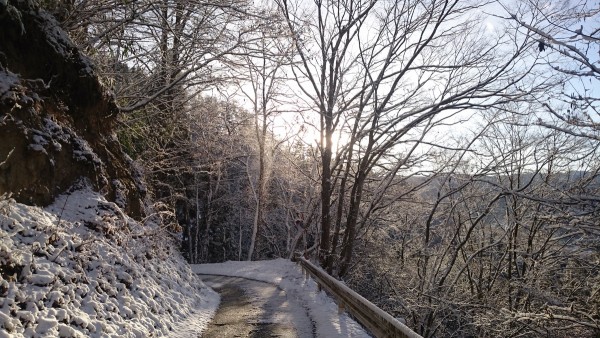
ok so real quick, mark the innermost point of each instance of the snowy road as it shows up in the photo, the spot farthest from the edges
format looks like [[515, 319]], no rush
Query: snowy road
[[255, 309], [302, 297]]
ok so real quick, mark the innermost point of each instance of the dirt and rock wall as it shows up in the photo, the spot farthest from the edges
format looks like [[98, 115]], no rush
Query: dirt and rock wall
[[56, 118]]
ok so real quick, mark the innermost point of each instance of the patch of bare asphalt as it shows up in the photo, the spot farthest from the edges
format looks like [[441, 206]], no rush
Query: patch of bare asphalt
[[255, 309]]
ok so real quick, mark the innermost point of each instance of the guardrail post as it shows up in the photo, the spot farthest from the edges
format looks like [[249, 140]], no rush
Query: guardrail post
[[341, 307]]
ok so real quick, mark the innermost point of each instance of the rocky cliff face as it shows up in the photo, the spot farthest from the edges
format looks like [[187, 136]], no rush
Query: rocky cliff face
[[56, 119]]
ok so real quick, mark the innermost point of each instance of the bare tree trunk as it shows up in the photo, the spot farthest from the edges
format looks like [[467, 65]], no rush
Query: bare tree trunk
[[240, 236], [255, 226], [326, 153], [199, 242]]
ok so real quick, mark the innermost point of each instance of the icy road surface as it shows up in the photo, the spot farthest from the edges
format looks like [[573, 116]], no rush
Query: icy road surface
[[255, 309]]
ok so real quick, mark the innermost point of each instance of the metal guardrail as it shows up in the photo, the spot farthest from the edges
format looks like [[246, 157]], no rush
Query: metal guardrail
[[378, 322]]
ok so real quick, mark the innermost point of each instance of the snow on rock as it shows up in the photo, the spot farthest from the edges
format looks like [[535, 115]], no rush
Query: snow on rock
[[8, 84], [288, 276], [82, 268]]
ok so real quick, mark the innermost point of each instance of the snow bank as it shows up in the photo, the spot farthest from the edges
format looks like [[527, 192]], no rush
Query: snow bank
[[288, 276], [82, 268]]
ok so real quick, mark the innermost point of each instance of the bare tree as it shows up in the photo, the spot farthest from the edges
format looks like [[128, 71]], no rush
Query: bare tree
[[260, 74], [569, 39], [179, 45], [382, 73]]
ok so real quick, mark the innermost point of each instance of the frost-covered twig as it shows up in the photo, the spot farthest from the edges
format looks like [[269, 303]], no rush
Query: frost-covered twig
[[62, 211], [7, 157]]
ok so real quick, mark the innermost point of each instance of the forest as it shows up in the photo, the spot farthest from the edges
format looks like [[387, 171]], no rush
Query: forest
[[441, 157]]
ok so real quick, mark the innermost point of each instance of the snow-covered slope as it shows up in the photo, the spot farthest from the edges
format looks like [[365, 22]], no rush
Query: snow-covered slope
[[82, 268], [288, 276]]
